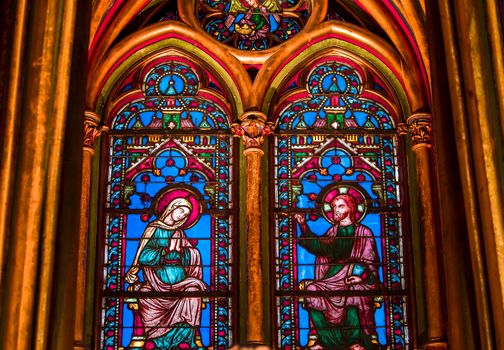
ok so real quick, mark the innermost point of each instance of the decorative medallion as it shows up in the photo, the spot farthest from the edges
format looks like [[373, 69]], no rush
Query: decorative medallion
[[253, 24]]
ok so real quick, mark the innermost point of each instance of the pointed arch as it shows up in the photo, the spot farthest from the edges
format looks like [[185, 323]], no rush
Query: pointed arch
[[105, 74], [118, 75], [404, 23], [317, 16], [403, 77], [169, 101], [336, 97], [108, 20]]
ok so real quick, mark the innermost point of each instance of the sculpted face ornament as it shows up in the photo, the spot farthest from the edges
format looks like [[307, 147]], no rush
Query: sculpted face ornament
[[252, 130], [92, 130]]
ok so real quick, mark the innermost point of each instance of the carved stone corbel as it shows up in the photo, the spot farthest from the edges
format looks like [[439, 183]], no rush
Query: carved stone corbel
[[92, 130], [419, 126], [252, 129]]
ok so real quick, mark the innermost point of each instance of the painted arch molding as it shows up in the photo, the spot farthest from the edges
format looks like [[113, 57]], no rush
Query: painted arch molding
[[330, 38]]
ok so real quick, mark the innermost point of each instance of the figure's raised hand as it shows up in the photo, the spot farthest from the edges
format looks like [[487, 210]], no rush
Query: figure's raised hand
[[304, 284], [300, 219], [131, 275], [176, 242]]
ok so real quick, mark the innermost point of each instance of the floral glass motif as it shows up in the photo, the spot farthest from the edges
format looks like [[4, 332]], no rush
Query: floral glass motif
[[339, 250], [169, 217], [253, 24]]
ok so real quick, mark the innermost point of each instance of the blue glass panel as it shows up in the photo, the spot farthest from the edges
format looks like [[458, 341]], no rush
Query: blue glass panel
[[331, 262]]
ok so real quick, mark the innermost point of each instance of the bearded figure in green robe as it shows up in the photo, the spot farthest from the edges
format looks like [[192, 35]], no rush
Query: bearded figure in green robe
[[346, 261]]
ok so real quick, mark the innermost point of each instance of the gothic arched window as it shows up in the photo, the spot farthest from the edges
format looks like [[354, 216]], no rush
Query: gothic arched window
[[168, 276], [328, 202], [339, 266]]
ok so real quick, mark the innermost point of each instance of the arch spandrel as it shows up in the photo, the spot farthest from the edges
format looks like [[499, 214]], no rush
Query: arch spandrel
[[164, 38], [343, 40], [108, 20], [404, 23], [318, 14]]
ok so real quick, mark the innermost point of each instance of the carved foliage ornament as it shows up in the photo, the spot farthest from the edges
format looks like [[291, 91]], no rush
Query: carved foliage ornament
[[419, 127]]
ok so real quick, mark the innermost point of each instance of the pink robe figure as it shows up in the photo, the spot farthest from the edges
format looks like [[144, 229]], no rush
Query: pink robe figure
[[334, 307]]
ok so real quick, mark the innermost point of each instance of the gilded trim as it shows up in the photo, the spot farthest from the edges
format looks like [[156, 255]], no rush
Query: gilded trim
[[104, 75], [469, 187], [486, 145], [12, 110], [107, 32], [349, 40], [63, 39], [404, 24], [92, 130], [497, 46]]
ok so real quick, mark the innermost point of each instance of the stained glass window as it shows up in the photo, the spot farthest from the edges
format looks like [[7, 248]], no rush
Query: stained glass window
[[253, 24], [339, 266], [169, 219]]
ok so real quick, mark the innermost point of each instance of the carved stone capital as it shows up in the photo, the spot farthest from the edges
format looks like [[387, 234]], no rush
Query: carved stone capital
[[419, 126], [92, 130], [252, 129], [402, 129]]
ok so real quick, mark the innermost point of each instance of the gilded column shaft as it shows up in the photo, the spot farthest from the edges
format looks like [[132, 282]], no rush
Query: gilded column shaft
[[433, 298], [11, 127], [254, 257], [92, 130], [472, 97], [29, 204], [419, 127], [252, 130], [482, 94], [87, 158]]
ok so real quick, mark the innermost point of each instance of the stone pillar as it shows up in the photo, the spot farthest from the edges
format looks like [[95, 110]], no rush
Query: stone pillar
[[252, 129], [92, 130], [419, 126], [36, 126]]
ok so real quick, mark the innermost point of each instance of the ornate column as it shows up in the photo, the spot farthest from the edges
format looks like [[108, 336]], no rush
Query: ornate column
[[252, 129], [419, 126], [35, 221], [92, 130]]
